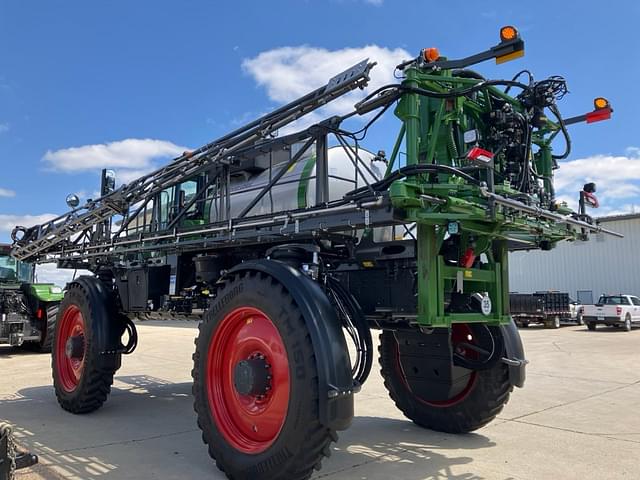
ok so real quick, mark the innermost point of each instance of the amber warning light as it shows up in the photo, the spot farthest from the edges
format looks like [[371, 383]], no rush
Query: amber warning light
[[509, 37], [508, 33]]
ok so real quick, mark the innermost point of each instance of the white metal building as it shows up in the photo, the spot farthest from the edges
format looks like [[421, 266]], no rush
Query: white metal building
[[604, 264]]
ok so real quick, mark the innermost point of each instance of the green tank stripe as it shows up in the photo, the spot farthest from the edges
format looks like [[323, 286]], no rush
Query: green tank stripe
[[303, 186]]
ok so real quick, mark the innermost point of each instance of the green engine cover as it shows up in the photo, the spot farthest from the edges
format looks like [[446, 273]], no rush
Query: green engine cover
[[46, 292]]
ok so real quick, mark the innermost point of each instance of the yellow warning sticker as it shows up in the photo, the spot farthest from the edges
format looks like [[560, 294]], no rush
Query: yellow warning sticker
[[468, 274]]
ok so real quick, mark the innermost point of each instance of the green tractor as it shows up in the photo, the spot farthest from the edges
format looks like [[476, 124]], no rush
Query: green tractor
[[28, 309]]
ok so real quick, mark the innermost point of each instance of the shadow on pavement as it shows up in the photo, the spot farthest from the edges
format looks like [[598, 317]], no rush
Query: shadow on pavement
[[608, 329], [144, 411], [173, 323], [385, 448], [7, 351]]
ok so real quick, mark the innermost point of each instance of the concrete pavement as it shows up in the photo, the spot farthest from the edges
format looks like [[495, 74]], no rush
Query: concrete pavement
[[576, 418]]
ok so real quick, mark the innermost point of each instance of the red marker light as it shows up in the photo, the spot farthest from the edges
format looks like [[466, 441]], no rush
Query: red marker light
[[468, 258], [598, 115], [478, 154]]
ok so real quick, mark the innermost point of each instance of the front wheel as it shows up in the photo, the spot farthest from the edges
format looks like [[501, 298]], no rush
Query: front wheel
[[473, 404], [255, 383], [82, 374]]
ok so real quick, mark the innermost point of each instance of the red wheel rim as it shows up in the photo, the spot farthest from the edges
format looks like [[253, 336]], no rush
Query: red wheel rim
[[460, 332], [249, 422], [69, 360]]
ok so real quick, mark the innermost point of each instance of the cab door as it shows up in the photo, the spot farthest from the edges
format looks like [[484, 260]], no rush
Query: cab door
[[188, 195], [635, 309]]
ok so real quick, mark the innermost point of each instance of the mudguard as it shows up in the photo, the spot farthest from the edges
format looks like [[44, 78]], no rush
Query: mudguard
[[335, 382], [514, 354], [107, 329]]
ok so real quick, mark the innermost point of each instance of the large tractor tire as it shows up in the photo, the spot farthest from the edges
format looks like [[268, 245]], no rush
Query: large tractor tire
[[82, 372], [255, 383], [48, 332], [46, 342], [7, 453], [472, 405]]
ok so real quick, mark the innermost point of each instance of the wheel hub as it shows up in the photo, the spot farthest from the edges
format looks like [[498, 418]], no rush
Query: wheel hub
[[252, 376], [74, 347], [248, 384]]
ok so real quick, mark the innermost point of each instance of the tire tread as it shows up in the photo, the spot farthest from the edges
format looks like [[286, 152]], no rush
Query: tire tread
[[318, 439], [464, 417]]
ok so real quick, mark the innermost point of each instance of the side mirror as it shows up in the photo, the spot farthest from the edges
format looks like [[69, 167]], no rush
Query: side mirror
[[108, 184], [72, 201]]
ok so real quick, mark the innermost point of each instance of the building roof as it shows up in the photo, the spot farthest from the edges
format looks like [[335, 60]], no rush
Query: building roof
[[616, 218]]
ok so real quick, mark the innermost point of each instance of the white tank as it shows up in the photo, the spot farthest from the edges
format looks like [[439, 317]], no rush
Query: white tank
[[296, 189]]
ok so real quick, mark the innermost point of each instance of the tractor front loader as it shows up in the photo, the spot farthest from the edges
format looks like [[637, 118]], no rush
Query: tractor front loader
[[285, 247]]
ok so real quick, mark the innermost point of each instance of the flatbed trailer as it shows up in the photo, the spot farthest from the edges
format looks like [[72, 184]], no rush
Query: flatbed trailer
[[548, 308], [285, 246]]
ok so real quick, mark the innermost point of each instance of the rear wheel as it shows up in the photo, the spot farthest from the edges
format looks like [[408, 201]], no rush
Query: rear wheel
[[82, 374], [554, 322], [255, 384], [627, 323], [591, 326], [473, 404]]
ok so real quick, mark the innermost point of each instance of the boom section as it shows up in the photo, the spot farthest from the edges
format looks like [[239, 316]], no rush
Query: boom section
[[83, 224]]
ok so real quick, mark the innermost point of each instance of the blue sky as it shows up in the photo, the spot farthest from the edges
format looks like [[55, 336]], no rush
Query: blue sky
[[129, 84]]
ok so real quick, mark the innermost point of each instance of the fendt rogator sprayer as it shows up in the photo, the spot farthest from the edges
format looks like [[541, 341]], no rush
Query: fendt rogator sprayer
[[279, 244]]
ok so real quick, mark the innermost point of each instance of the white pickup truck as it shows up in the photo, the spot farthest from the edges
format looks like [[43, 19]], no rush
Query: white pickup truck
[[616, 310]]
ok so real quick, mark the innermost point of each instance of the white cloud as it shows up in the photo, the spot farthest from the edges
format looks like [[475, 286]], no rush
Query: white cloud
[[374, 2], [288, 73], [5, 192], [130, 158], [617, 178], [4, 127], [48, 273], [7, 222]]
